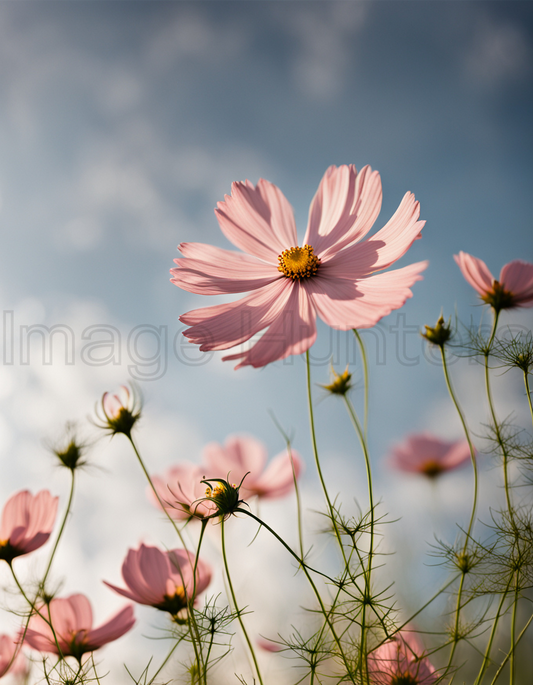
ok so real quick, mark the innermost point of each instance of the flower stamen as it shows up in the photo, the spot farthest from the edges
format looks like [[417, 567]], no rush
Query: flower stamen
[[298, 262]]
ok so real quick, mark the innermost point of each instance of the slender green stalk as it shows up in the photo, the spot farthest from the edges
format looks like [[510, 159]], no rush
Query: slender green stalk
[[368, 575], [191, 620], [317, 460], [164, 662], [486, 656], [528, 392], [513, 647], [236, 606], [474, 502], [306, 569], [365, 372], [512, 664]]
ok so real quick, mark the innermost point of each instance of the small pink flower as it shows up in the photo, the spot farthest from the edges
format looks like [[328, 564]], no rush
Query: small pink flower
[[241, 455], [72, 619], [333, 275], [120, 411], [164, 580], [429, 455], [16, 665], [268, 645], [182, 492], [27, 522], [401, 661], [513, 289]]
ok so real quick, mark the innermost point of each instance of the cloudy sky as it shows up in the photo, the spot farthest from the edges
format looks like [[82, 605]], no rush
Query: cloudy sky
[[122, 124]]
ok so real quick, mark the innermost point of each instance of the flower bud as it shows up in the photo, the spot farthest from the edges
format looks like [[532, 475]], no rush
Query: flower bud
[[340, 383], [438, 334], [120, 411], [70, 450], [223, 495]]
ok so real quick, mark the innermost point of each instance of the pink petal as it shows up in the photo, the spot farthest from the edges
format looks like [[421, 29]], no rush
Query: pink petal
[[278, 478], [258, 220], [227, 325], [292, 332], [384, 247], [117, 626], [475, 272], [82, 614], [213, 271], [517, 276], [344, 305], [145, 572], [239, 455], [344, 208]]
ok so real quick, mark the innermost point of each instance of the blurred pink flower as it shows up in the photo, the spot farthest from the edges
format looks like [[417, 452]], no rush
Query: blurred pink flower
[[27, 522], [269, 645], [15, 666], [400, 660], [164, 580], [429, 455], [513, 289], [331, 276], [72, 619], [242, 454], [182, 492]]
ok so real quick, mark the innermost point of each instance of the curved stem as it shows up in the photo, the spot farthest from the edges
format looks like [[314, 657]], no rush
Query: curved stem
[[488, 649], [306, 570], [513, 647], [365, 372], [528, 392], [317, 460], [236, 606], [513, 635], [368, 575]]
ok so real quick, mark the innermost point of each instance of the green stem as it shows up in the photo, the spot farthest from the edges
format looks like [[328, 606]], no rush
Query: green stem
[[513, 647], [486, 656], [368, 575], [306, 570], [513, 634], [528, 392], [236, 606], [317, 460], [365, 372]]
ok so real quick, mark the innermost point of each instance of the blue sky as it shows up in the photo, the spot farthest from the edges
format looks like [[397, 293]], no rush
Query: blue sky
[[122, 124]]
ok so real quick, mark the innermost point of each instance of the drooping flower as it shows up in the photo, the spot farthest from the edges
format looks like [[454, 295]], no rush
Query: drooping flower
[[429, 455], [182, 492], [72, 619], [164, 580], [120, 411], [241, 455], [513, 289], [12, 660], [400, 661], [27, 522], [332, 275]]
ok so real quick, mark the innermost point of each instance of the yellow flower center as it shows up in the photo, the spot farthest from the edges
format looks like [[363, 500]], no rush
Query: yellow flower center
[[298, 262], [432, 468]]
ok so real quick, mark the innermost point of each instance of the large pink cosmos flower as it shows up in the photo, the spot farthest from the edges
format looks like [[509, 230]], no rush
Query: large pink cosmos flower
[[429, 455], [513, 289], [399, 661], [72, 619], [27, 522], [241, 455], [331, 275], [16, 665], [164, 580]]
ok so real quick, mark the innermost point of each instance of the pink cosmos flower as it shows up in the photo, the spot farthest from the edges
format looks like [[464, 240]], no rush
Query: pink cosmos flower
[[429, 455], [164, 580], [332, 275], [72, 618], [513, 289], [16, 665], [27, 522], [182, 492], [400, 660], [120, 411], [241, 455]]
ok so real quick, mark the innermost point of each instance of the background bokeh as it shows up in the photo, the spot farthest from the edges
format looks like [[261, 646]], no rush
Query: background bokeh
[[121, 126]]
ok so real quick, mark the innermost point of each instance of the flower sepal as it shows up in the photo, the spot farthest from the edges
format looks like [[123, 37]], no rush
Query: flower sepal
[[440, 333]]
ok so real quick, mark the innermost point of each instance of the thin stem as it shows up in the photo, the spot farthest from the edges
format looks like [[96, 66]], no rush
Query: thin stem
[[486, 656], [528, 393], [513, 634], [306, 570], [513, 647], [236, 606], [165, 661], [317, 460], [368, 575], [365, 372]]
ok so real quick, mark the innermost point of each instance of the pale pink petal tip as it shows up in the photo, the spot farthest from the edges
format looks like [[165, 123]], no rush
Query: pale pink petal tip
[[332, 275]]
